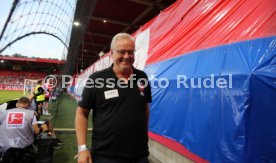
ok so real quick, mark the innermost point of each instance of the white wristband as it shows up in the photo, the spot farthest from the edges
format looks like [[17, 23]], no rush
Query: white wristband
[[82, 148]]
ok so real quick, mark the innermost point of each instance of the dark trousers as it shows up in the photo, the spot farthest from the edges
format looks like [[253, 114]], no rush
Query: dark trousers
[[14, 155], [17, 155], [113, 159]]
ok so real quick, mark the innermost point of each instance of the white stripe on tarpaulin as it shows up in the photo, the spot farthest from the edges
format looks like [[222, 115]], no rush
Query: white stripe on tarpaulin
[[142, 47]]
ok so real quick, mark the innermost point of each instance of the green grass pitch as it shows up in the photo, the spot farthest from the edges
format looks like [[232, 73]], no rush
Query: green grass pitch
[[6, 95]]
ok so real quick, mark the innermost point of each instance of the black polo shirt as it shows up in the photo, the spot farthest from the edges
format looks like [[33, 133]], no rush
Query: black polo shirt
[[119, 114]]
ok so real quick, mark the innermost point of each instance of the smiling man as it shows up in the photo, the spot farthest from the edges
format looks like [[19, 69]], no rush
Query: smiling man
[[120, 111]]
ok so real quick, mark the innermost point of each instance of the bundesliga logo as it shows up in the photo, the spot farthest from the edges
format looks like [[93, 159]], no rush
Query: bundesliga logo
[[15, 120]]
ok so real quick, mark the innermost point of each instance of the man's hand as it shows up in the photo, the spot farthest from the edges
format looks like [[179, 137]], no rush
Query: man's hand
[[81, 131], [84, 157]]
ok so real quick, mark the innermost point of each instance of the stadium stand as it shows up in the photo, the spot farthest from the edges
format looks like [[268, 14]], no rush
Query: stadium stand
[[14, 70], [14, 80]]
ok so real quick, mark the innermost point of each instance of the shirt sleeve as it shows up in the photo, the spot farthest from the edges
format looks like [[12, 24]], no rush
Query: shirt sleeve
[[148, 91], [88, 97]]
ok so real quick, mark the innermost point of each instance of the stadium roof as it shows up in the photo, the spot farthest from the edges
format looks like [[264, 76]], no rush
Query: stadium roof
[[31, 64], [99, 21], [26, 59]]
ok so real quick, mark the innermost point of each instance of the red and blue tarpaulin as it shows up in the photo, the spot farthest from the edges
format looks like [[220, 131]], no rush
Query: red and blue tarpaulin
[[219, 58]]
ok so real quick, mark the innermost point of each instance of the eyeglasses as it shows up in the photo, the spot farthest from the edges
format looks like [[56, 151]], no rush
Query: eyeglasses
[[122, 52]]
